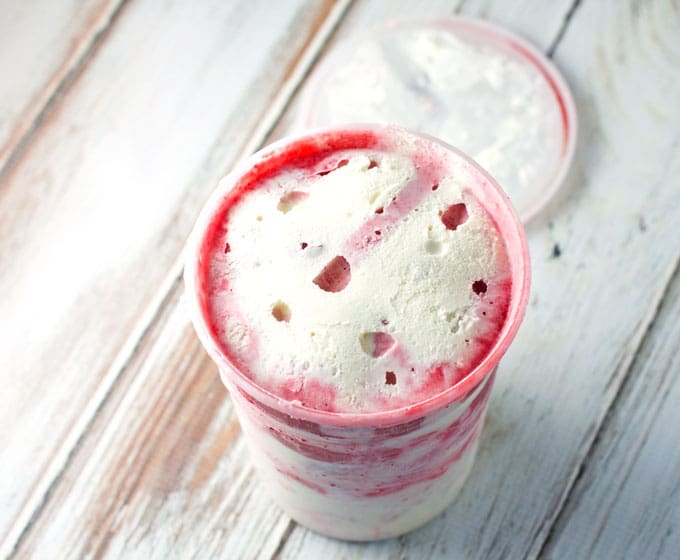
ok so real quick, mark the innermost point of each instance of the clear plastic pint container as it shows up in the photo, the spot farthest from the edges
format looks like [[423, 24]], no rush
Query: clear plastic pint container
[[355, 474]]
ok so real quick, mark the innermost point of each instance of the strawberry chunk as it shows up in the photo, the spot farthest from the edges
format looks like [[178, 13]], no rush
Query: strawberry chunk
[[335, 276], [281, 312], [376, 343], [454, 216], [479, 287], [340, 164], [290, 199]]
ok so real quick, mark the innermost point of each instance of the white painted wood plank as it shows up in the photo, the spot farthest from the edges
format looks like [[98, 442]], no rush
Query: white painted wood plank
[[626, 503], [95, 211], [163, 473], [41, 43], [616, 227]]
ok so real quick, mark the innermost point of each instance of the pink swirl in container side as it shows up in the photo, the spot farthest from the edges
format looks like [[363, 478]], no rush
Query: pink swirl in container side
[[364, 483]]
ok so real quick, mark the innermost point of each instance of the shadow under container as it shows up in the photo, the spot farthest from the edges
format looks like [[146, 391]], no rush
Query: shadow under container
[[364, 476]]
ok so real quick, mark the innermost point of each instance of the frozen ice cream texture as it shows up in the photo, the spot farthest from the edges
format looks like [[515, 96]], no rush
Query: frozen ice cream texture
[[358, 278]]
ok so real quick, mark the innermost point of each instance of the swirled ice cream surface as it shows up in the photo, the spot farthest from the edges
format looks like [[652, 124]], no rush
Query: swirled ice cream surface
[[363, 280]]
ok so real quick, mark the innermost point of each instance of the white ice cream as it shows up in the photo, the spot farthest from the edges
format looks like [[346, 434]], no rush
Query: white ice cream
[[414, 283]]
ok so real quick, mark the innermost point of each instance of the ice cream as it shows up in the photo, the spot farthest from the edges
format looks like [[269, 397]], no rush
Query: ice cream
[[363, 279], [357, 288]]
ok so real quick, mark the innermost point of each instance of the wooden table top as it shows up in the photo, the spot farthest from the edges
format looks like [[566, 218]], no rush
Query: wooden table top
[[117, 439]]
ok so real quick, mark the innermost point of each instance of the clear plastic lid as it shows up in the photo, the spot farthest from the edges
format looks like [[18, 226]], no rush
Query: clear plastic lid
[[478, 87]]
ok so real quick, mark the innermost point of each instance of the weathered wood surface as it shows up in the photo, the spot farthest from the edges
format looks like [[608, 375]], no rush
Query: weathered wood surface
[[161, 470], [42, 46], [96, 208], [626, 503]]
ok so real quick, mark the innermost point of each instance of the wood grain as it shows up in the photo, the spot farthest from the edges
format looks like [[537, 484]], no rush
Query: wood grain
[[43, 44], [96, 209]]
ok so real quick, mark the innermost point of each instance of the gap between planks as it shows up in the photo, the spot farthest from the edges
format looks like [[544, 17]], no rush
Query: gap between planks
[[283, 539], [57, 86], [565, 24], [40, 495]]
